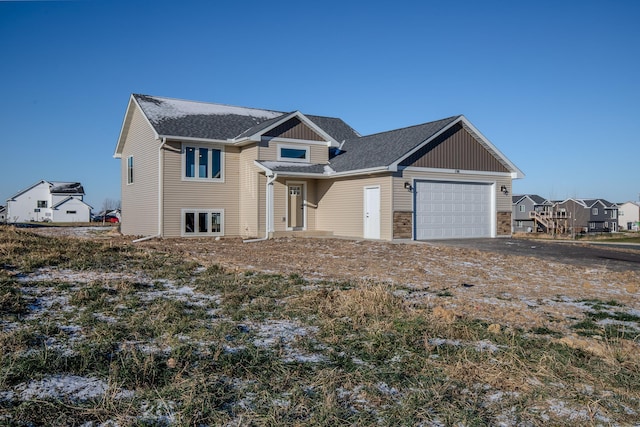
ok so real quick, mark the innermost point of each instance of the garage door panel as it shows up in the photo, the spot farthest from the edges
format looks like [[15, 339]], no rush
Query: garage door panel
[[452, 210]]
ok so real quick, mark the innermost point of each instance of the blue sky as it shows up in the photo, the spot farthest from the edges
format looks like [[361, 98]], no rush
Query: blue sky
[[553, 84]]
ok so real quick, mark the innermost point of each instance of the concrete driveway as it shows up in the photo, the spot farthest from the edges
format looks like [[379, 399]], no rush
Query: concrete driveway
[[615, 256]]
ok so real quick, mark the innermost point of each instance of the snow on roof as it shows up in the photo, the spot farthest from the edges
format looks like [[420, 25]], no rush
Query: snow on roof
[[158, 108]]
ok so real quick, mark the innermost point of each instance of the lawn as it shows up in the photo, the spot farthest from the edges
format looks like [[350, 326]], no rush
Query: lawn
[[101, 332]]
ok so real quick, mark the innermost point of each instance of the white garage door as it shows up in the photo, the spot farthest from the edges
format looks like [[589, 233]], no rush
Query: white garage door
[[450, 210]]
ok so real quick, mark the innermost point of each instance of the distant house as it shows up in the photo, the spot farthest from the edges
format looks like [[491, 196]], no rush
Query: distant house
[[3, 214], [526, 208], [629, 216], [49, 201], [196, 169], [584, 216]]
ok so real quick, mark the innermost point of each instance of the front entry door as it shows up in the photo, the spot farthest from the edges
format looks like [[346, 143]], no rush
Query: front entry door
[[295, 215]]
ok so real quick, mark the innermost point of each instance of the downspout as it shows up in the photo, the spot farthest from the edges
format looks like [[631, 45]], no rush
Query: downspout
[[268, 223], [160, 198]]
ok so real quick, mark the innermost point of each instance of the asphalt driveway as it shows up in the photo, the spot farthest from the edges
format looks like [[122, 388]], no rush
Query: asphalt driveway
[[618, 257]]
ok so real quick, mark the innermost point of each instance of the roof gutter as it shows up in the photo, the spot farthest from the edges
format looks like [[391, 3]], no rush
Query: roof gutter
[[268, 223]]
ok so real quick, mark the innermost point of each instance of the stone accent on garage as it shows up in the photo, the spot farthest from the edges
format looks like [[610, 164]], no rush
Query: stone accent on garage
[[402, 224], [504, 224]]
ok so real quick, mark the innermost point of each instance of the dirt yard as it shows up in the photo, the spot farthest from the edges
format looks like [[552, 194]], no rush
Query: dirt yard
[[500, 288]]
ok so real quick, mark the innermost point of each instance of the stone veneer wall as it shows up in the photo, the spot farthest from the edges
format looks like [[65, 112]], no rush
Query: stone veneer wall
[[402, 224], [504, 224]]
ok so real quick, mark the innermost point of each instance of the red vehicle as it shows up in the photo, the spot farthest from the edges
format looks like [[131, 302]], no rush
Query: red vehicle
[[106, 218]]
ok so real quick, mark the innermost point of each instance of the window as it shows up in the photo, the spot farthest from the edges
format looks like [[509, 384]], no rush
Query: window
[[614, 214], [71, 212], [202, 163], [42, 204], [594, 211], [293, 153], [522, 208], [130, 170], [519, 224], [202, 222], [592, 225]]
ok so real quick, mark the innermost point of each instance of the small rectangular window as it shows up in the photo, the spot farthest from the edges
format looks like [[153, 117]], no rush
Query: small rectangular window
[[42, 204], [71, 212], [594, 211], [293, 153], [522, 208], [130, 170], [216, 222]]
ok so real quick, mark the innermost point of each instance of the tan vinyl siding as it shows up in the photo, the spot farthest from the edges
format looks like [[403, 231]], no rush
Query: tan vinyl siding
[[294, 129], [181, 194], [249, 193], [318, 153], [456, 149], [341, 206], [140, 199]]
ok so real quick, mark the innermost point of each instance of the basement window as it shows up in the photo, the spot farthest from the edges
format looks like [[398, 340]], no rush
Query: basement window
[[202, 222]]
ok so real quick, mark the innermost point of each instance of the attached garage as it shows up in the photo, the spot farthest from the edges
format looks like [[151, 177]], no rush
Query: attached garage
[[450, 210]]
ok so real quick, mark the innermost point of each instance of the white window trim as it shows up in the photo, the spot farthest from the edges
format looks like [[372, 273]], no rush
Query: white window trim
[[197, 233], [307, 156], [183, 166]]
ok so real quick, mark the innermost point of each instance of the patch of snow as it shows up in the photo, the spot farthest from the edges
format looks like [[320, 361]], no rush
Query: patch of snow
[[71, 387], [168, 108]]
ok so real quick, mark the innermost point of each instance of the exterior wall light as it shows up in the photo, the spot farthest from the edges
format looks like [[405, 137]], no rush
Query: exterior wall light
[[504, 189], [408, 186]]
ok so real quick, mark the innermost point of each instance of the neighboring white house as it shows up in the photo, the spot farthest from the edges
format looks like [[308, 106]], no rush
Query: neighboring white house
[[49, 201], [629, 216]]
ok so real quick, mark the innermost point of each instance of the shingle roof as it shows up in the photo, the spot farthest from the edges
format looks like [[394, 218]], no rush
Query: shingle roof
[[202, 120], [384, 148], [66, 188]]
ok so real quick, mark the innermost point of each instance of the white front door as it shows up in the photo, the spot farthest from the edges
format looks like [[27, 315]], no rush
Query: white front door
[[372, 212]]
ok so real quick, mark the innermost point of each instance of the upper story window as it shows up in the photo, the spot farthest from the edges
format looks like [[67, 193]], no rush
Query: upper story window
[[521, 208], [130, 170], [293, 153], [594, 211], [202, 163], [42, 203]]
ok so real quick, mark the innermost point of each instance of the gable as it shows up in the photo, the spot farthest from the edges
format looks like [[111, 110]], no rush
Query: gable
[[294, 128], [456, 148]]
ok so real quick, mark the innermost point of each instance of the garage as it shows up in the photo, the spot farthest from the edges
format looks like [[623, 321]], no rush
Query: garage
[[451, 210]]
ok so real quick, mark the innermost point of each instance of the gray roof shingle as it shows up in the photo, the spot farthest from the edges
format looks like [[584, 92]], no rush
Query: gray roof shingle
[[202, 120]]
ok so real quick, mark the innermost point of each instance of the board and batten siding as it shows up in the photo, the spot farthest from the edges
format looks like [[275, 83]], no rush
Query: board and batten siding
[[140, 199], [341, 205], [181, 194]]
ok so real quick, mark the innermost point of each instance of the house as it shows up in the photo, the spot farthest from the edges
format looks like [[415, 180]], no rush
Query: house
[[3, 214], [629, 216], [575, 216], [529, 213], [49, 201], [199, 169]]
